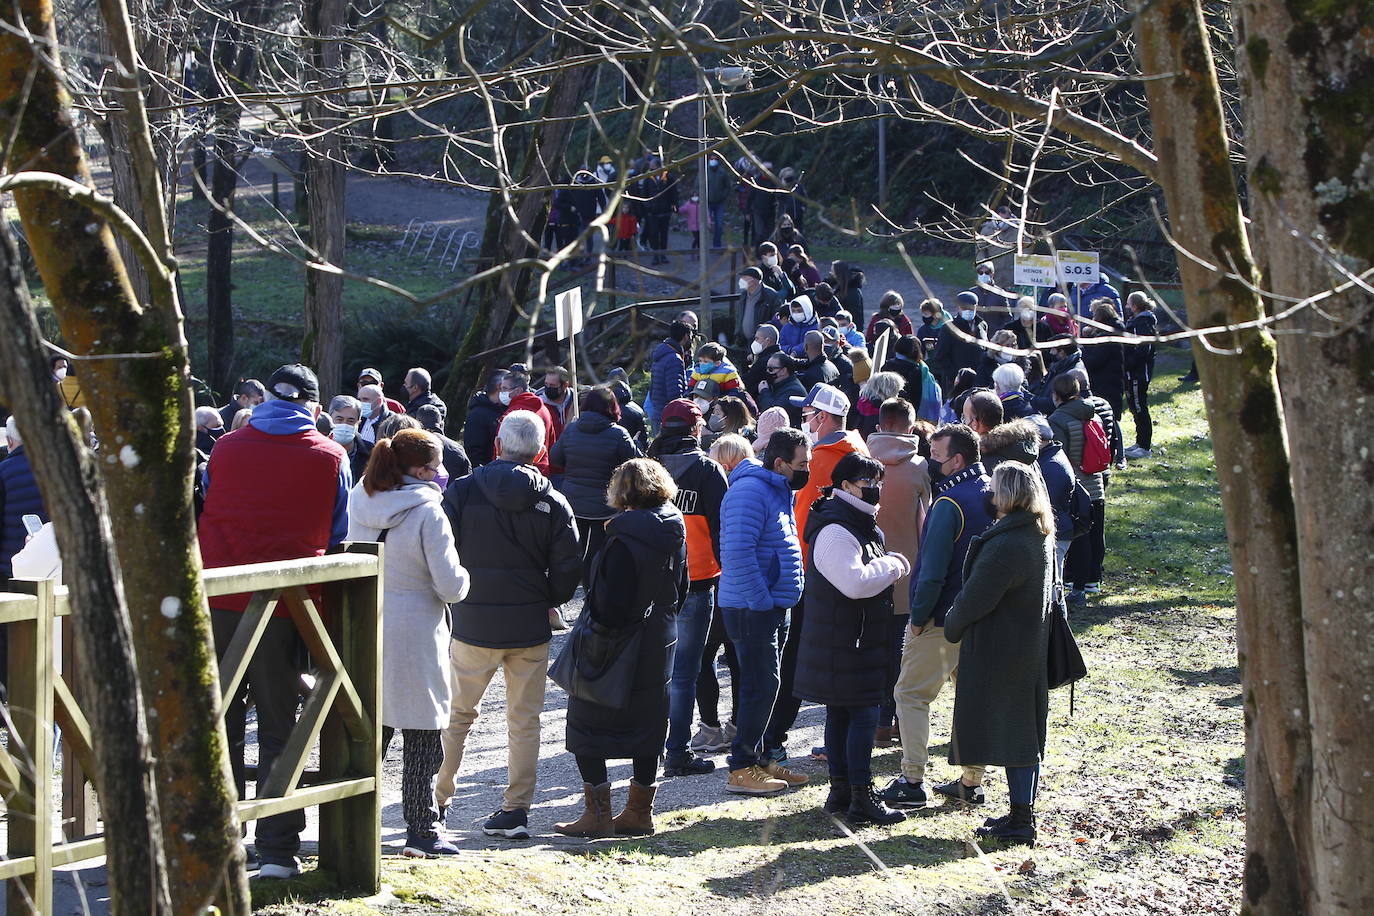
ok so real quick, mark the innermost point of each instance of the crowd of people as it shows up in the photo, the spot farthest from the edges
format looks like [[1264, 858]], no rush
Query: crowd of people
[[850, 515]]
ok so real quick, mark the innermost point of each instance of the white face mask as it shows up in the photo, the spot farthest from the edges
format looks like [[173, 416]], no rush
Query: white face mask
[[743, 285], [770, 260], [756, 348], [1027, 314], [343, 433], [799, 317], [505, 397], [60, 373], [1004, 357], [967, 314]]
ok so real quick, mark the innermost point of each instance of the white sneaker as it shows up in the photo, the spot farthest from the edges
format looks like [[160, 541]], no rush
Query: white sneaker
[[279, 870], [1135, 452]]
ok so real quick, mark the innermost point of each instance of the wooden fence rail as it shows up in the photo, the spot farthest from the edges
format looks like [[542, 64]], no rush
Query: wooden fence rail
[[341, 713]]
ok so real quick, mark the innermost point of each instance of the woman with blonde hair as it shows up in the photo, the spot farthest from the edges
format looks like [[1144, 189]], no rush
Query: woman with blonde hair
[[399, 503], [1001, 622], [729, 450], [638, 582]]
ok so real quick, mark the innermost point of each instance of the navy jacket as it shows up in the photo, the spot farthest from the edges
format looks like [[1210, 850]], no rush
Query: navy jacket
[[1059, 481], [962, 510], [19, 496], [589, 451], [760, 552], [668, 377], [479, 432]]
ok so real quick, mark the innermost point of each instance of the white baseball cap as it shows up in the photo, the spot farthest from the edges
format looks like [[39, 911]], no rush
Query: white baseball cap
[[825, 397]]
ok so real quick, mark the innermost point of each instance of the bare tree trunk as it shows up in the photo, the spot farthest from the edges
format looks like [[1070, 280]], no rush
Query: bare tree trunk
[[75, 499], [1304, 66], [1246, 419], [323, 344], [142, 411]]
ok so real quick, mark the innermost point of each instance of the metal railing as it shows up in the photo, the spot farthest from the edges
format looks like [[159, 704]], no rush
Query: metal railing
[[341, 713]]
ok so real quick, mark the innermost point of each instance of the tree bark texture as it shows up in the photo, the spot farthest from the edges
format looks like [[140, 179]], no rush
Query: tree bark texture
[[1308, 87], [75, 498], [1252, 454], [500, 298], [322, 347], [142, 412]]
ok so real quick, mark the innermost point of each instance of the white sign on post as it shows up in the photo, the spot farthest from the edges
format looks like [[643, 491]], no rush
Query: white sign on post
[[1077, 266], [568, 308], [1033, 270]]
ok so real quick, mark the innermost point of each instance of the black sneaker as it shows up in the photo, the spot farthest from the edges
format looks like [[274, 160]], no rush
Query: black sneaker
[[902, 794], [838, 799], [513, 825], [419, 846], [969, 795], [687, 766]]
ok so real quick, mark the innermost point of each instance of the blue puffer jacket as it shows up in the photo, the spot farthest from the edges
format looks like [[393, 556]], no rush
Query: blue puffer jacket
[[760, 552], [668, 379], [1059, 482], [19, 496], [791, 335]]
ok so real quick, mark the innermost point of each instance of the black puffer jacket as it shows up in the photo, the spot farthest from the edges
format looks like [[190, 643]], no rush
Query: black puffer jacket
[[589, 451], [842, 659], [518, 542], [1106, 365], [479, 432], [642, 576]]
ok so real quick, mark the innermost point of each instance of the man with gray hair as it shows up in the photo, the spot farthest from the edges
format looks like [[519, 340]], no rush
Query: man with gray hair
[[417, 387], [764, 345], [375, 412], [518, 541]]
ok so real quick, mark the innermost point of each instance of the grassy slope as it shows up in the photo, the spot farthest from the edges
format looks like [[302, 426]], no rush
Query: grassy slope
[[1140, 810]]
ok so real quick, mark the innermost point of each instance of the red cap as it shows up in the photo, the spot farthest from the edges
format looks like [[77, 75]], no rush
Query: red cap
[[682, 411]]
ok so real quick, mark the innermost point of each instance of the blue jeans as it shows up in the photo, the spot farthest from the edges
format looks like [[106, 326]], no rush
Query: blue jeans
[[849, 743], [1023, 784], [693, 623], [717, 212], [758, 637]]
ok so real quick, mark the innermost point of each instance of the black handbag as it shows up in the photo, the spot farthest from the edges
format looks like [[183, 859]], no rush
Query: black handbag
[[598, 662], [1064, 664]]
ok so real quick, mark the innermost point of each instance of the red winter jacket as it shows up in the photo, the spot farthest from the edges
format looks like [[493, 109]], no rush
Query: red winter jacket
[[275, 490]]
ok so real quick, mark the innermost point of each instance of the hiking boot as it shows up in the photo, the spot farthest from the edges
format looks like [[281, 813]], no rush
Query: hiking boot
[[1017, 830], [687, 766], [753, 781], [969, 795], [996, 821], [427, 847], [902, 794], [729, 729], [637, 819], [866, 807], [595, 821], [791, 777], [837, 802], [513, 825], [709, 739]]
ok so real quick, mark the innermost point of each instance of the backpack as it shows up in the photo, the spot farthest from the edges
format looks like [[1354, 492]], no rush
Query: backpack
[[1097, 454]]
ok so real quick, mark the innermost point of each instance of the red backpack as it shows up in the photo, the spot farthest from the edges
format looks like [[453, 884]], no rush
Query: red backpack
[[1097, 454]]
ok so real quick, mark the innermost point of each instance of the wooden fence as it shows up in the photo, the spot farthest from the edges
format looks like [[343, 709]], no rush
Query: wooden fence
[[341, 712]]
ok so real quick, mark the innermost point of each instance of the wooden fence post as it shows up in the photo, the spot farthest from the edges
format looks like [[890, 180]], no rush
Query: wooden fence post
[[350, 829], [78, 800], [30, 713]]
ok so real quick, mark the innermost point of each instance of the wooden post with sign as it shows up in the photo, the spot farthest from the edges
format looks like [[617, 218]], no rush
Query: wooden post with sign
[[568, 315]]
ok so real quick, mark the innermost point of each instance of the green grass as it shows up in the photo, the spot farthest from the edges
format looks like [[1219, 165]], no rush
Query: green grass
[[1141, 806]]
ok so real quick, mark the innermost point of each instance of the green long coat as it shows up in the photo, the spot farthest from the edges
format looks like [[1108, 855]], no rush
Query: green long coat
[[1001, 622]]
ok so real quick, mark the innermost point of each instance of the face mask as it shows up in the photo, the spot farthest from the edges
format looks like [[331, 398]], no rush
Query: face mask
[[60, 373], [984, 277], [799, 318], [927, 319], [343, 433], [774, 374], [895, 310], [967, 314], [770, 260], [1004, 357], [713, 164], [743, 285], [936, 469], [705, 368], [810, 437], [703, 406], [756, 348], [870, 494], [441, 479], [799, 479], [716, 423], [1028, 315], [505, 398], [365, 408]]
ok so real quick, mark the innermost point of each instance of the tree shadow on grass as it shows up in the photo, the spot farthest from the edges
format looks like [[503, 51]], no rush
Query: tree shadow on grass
[[1218, 675]]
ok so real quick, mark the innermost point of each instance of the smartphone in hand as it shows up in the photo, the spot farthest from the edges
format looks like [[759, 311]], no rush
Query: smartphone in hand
[[32, 524]]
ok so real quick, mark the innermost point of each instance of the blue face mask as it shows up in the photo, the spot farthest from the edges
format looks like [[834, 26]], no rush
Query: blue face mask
[[705, 368], [366, 409]]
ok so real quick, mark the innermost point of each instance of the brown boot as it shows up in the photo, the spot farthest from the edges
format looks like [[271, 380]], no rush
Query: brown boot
[[596, 814], [638, 817]]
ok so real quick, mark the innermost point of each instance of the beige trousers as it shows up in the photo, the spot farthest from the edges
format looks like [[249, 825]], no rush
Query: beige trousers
[[471, 670], [927, 662]]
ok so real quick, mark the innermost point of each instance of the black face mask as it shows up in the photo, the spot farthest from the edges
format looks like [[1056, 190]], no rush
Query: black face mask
[[936, 469], [927, 319], [799, 479], [895, 310], [870, 494], [555, 393]]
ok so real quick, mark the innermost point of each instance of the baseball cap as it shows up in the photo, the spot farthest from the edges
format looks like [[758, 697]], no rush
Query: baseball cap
[[752, 272], [295, 383], [706, 388], [825, 397], [604, 160], [831, 331], [967, 298], [682, 412], [372, 374]]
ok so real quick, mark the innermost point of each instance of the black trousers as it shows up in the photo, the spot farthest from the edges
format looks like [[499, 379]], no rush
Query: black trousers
[[656, 231], [274, 677], [1088, 553], [421, 753], [592, 533], [1138, 398], [708, 687], [593, 770], [786, 706]]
